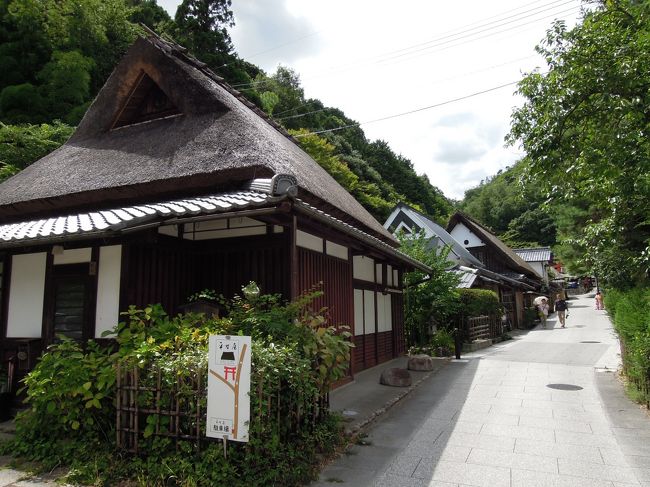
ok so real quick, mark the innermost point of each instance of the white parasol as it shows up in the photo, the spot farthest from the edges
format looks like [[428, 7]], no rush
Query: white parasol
[[538, 300]]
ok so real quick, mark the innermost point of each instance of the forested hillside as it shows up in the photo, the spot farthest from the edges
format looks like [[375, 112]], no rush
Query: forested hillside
[[56, 55], [585, 183]]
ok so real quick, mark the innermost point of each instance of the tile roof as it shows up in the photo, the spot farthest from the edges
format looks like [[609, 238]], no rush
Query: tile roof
[[106, 221], [466, 278], [516, 262], [539, 254]]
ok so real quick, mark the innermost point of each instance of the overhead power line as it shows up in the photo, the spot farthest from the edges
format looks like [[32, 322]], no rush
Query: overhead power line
[[431, 83], [410, 112], [464, 35]]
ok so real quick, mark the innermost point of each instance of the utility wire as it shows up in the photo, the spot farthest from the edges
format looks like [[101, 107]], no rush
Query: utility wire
[[432, 83], [293, 41], [445, 39], [410, 112]]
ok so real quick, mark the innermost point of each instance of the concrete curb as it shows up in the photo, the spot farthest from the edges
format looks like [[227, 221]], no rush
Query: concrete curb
[[359, 427]]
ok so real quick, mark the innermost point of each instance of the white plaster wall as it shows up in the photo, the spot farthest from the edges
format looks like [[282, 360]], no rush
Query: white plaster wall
[[108, 289], [336, 250], [73, 256], [309, 241], [369, 311], [384, 312], [379, 273], [462, 233], [363, 268], [358, 312], [26, 291]]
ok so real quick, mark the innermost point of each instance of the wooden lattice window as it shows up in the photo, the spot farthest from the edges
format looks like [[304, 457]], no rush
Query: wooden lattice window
[[146, 102]]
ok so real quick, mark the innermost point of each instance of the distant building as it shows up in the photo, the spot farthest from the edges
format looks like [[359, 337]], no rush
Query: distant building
[[510, 281], [497, 257], [539, 258]]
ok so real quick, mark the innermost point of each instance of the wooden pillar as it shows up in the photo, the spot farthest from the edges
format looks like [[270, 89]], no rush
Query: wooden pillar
[[293, 258]]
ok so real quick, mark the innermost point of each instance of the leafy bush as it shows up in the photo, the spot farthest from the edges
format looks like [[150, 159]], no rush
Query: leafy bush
[[442, 343], [480, 302], [295, 359], [631, 317], [70, 395], [530, 315], [429, 299]]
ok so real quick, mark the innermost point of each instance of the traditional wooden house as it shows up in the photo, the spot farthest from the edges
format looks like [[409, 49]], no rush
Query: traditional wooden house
[[472, 272], [499, 258], [173, 183], [540, 259]]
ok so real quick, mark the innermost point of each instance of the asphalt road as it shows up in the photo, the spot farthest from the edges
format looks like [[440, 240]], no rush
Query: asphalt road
[[545, 409]]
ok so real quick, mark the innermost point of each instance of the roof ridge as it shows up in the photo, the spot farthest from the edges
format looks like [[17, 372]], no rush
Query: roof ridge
[[174, 49]]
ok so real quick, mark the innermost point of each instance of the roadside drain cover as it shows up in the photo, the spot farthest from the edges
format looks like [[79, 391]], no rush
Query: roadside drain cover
[[564, 387], [589, 341]]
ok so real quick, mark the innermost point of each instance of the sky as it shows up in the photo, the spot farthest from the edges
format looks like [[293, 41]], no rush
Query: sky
[[375, 59]]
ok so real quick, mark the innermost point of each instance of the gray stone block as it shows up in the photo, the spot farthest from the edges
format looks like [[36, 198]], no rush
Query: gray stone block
[[396, 377], [420, 362]]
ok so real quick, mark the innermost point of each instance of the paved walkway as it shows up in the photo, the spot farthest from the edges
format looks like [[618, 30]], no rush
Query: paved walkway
[[545, 409]]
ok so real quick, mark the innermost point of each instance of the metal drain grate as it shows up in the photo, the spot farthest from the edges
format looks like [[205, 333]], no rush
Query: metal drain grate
[[564, 387], [589, 341]]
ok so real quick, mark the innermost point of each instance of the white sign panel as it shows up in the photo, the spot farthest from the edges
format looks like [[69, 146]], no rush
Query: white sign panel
[[229, 382]]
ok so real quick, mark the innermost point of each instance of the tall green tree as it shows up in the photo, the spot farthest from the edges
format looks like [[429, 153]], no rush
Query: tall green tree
[[584, 126], [428, 299], [56, 54], [22, 145]]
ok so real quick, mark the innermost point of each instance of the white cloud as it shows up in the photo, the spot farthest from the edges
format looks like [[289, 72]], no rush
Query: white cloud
[[376, 58]]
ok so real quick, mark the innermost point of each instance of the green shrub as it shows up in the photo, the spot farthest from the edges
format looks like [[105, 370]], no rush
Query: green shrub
[[295, 359], [480, 302], [611, 298], [70, 397], [630, 311], [530, 315], [442, 339]]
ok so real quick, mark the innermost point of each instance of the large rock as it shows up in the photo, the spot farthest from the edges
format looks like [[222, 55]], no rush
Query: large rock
[[420, 362], [395, 377]]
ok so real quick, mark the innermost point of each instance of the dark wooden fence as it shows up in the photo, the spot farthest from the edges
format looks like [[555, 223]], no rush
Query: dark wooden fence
[[149, 404], [152, 402], [482, 328]]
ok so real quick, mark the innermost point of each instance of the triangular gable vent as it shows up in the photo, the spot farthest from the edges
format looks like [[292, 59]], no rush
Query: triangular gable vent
[[146, 102]]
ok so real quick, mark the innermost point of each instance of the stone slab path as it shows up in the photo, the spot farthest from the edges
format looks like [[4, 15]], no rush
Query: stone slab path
[[545, 409]]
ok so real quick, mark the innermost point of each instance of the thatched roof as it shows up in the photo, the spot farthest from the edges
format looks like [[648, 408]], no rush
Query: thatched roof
[[209, 137], [515, 262]]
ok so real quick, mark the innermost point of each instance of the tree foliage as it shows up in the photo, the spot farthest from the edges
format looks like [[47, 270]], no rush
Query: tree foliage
[[57, 55], [22, 145], [428, 299], [584, 127]]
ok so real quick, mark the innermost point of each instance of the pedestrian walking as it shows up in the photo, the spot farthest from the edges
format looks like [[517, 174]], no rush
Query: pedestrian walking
[[599, 300], [543, 312], [561, 308]]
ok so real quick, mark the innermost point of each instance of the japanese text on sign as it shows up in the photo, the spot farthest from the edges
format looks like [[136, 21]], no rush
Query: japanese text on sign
[[229, 367]]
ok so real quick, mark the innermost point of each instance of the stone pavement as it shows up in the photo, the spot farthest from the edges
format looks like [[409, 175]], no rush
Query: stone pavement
[[545, 409]]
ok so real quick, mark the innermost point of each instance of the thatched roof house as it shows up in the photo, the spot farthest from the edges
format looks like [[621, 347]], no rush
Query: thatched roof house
[[173, 182], [162, 122]]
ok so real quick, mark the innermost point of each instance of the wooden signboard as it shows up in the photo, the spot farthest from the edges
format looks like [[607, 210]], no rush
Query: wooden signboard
[[229, 383]]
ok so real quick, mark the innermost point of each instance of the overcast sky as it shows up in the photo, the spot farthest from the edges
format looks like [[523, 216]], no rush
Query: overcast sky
[[377, 58]]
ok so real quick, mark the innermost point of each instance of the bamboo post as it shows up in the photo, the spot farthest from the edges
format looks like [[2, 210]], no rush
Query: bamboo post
[[158, 393], [137, 406], [118, 406]]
